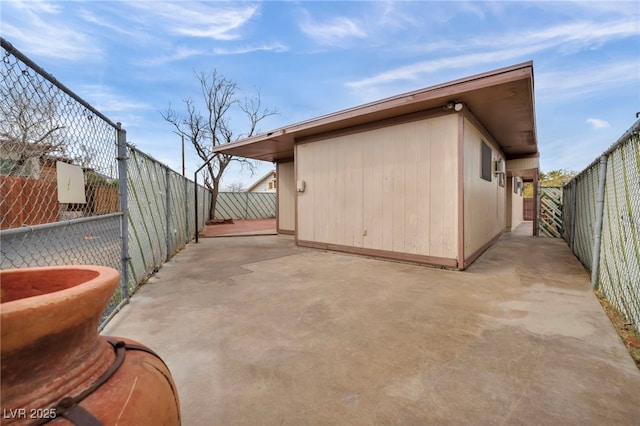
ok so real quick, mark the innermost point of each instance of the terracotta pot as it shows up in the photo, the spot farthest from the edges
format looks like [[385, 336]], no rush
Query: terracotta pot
[[55, 364]]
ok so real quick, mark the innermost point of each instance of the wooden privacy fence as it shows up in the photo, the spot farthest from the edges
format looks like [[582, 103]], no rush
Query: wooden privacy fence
[[27, 201], [102, 199], [528, 208], [245, 205]]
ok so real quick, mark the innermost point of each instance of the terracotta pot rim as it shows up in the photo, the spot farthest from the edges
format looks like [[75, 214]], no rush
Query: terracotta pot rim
[[104, 275], [27, 319], [51, 349]]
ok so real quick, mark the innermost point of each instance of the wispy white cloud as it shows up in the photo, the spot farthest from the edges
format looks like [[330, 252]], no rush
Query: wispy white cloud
[[105, 100], [392, 15], [597, 123], [474, 8], [171, 55], [590, 8], [182, 53], [334, 31], [578, 35], [38, 6], [218, 21], [567, 38], [45, 32], [117, 30], [561, 153], [272, 47], [142, 53], [418, 70], [506, 48], [563, 84]]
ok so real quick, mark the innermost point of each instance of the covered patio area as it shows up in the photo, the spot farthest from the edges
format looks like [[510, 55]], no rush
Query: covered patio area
[[259, 331]]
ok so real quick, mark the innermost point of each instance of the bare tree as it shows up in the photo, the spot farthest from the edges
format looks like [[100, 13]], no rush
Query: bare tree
[[211, 127], [235, 187], [29, 124]]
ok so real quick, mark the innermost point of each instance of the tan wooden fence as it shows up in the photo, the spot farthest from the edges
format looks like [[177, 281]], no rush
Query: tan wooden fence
[[27, 201]]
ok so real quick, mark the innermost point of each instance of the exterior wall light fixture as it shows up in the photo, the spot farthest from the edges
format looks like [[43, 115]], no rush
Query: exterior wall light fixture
[[456, 106]]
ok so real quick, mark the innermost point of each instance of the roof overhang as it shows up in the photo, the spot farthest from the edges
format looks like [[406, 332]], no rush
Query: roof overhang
[[502, 100]]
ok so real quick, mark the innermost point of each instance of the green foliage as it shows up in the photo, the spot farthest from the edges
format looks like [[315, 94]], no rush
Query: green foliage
[[556, 177], [552, 178], [528, 190]]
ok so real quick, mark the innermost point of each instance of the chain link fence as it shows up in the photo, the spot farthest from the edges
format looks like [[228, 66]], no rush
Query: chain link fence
[[161, 214], [602, 222], [72, 191]]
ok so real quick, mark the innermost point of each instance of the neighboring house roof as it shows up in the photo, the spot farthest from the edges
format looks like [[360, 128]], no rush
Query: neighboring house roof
[[503, 101], [271, 174]]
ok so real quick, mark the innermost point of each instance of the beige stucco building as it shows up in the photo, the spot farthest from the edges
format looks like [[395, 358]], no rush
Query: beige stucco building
[[430, 176]]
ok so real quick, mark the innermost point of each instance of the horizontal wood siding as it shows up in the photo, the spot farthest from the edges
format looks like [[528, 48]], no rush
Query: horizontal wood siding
[[286, 197], [484, 202], [392, 189]]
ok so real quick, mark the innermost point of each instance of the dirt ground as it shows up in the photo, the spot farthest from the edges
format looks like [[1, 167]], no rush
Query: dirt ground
[[625, 329]]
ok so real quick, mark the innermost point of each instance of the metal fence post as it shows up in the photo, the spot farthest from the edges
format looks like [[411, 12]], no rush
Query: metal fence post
[[168, 210], [204, 208], [186, 209], [537, 207], [574, 202], [195, 200], [597, 233], [124, 208]]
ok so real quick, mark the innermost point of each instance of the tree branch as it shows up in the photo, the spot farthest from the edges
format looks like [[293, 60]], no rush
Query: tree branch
[[212, 127]]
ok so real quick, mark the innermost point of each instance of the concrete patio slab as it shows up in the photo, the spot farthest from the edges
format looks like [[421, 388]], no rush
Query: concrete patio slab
[[258, 331]]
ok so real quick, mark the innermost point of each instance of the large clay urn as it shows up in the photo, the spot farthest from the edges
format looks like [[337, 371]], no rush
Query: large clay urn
[[57, 369]]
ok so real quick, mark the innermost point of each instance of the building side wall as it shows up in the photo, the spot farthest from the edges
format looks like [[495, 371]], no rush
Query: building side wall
[[389, 190], [484, 201], [286, 197], [514, 207]]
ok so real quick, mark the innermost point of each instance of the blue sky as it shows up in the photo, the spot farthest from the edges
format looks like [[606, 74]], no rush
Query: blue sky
[[132, 59]]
